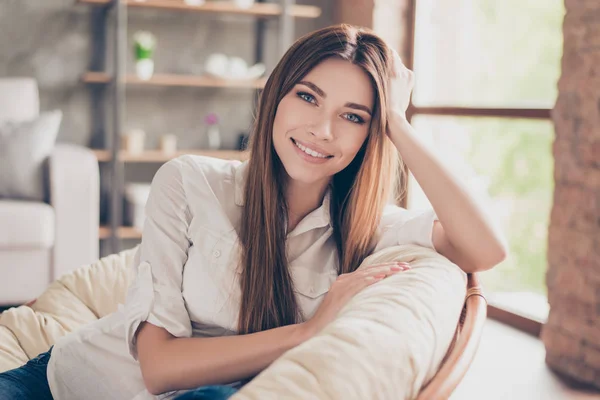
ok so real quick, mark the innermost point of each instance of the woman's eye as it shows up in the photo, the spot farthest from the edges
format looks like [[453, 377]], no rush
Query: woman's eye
[[355, 118], [309, 98], [306, 97]]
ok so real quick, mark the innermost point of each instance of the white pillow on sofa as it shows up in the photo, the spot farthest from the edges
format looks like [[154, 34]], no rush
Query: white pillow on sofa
[[24, 150], [386, 343]]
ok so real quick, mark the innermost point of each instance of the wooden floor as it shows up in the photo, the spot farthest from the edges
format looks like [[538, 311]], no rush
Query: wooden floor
[[510, 366]]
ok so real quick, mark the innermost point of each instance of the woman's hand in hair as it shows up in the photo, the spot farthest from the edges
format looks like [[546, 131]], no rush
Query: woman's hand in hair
[[400, 89], [344, 288]]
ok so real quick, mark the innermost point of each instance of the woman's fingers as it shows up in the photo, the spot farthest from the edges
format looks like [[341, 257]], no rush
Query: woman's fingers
[[370, 279], [371, 270], [385, 264], [352, 283], [382, 272]]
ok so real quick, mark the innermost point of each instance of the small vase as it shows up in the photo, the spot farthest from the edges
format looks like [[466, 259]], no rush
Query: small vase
[[214, 137], [144, 68]]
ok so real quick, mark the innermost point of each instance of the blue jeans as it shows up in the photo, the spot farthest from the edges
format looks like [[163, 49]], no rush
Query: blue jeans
[[211, 392], [29, 382]]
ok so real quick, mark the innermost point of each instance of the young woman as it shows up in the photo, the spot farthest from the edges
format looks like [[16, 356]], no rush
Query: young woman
[[240, 262]]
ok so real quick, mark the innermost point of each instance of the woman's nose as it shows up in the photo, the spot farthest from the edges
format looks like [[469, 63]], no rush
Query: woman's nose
[[322, 129]]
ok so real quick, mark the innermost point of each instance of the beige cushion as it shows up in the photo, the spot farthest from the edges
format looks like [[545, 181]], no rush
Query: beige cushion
[[386, 343], [75, 299]]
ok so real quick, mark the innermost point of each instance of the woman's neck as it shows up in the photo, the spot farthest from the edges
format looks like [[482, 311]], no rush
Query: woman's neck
[[302, 199]]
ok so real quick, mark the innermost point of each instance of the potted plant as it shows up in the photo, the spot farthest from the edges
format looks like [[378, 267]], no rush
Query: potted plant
[[144, 46]]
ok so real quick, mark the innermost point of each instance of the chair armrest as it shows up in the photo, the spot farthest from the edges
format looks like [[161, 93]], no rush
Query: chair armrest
[[75, 195], [461, 354]]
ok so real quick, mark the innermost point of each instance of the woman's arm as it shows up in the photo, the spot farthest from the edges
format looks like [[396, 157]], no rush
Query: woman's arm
[[170, 363], [464, 233]]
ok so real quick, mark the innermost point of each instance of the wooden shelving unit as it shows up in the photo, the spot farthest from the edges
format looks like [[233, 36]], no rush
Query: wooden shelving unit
[[176, 80], [224, 7], [156, 156], [108, 19]]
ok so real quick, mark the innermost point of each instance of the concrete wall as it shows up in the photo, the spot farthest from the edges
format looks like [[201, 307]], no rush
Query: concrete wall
[[49, 40]]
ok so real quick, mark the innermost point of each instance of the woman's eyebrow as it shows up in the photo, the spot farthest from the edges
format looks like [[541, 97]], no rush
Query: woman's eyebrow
[[321, 93], [314, 87], [358, 107]]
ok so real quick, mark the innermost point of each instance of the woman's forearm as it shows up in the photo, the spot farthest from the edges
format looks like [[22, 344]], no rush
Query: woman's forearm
[[187, 363], [466, 224]]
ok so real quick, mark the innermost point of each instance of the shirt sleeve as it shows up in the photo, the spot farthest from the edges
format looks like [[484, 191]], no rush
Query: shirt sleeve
[[402, 226], [155, 294]]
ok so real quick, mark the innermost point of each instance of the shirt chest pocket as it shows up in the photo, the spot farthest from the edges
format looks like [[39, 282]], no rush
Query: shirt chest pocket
[[216, 246], [311, 287], [209, 276]]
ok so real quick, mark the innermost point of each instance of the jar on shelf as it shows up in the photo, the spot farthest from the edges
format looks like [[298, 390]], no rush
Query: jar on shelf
[[168, 144], [136, 196], [132, 141], [244, 3]]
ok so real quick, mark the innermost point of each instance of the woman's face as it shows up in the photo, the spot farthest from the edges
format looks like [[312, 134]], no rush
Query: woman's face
[[323, 121]]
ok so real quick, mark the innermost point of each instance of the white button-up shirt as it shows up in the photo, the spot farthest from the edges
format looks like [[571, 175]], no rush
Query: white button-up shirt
[[187, 270]]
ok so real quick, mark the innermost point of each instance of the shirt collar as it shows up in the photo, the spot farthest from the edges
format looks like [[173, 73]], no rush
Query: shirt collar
[[317, 218]]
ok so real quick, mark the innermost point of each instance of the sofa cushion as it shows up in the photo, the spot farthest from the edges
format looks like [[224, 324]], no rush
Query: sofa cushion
[[72, 301], [386, 343], [30, 225], [24, 151]]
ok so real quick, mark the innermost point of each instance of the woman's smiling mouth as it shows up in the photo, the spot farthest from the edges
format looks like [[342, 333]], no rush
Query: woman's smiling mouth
[[310, 149]]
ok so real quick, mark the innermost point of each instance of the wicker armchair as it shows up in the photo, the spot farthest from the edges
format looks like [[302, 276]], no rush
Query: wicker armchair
[[73, 301], [464, 346]]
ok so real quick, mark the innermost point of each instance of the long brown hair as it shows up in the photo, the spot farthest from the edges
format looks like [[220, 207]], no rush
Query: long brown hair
[[359, 192]]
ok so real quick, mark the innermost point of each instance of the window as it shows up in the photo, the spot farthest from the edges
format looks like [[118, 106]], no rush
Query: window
[[486, 78], [486, 53]]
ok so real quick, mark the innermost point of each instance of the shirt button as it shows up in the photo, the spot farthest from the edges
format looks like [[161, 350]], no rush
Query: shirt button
[[217, 253]]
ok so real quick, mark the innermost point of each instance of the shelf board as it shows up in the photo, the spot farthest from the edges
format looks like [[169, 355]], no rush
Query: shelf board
[[177, 80], [151, 156], [123, 232], [96, 77], [95, 2], [225, 7]]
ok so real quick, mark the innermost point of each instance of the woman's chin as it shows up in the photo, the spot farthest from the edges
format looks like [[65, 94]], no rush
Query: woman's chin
[[305, 174]]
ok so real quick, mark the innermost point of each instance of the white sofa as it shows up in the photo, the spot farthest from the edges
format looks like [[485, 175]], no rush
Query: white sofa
[[41, 241]]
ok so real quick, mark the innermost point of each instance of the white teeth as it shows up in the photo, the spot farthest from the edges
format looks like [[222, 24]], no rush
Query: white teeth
[[309, 151]]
